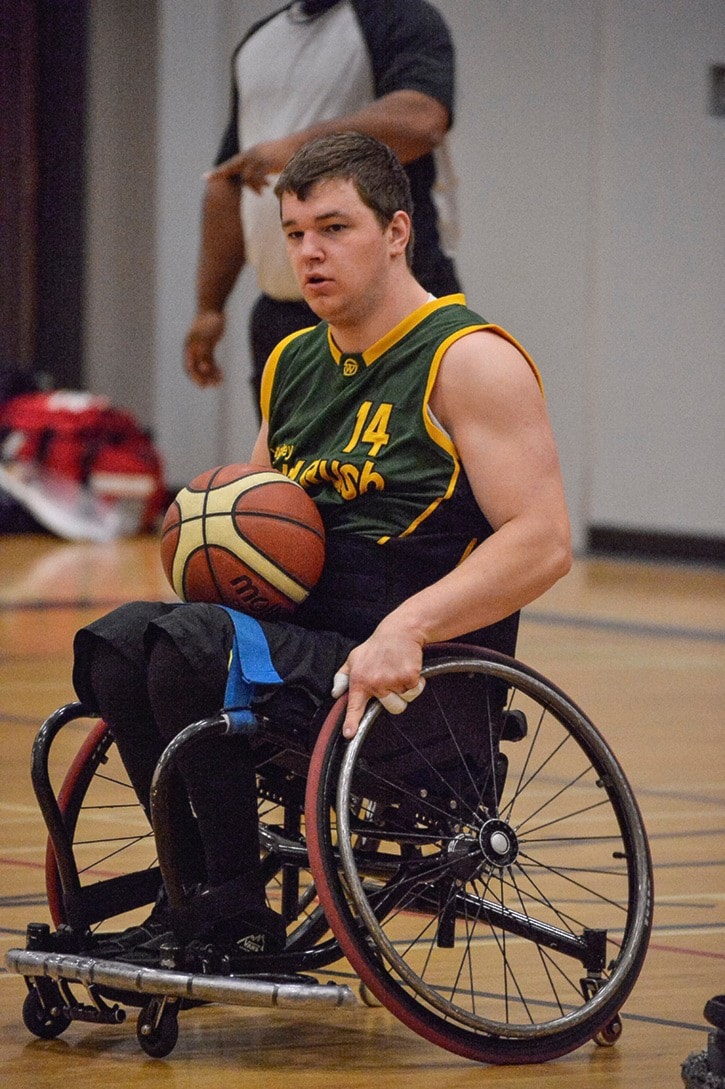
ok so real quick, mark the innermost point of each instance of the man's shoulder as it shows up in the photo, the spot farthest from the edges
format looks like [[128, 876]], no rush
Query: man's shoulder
[[454, 310]]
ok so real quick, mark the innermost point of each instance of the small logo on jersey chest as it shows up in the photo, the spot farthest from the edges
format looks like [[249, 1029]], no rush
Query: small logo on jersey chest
[[350, 367]]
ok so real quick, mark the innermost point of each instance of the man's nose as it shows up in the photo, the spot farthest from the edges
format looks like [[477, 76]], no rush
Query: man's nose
[[311, 246]]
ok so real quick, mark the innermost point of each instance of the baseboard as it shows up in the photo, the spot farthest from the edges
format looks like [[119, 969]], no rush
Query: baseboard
[[655, 545]]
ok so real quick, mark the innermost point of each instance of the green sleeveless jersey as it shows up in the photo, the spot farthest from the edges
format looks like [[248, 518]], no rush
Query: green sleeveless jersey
[[356, 431]]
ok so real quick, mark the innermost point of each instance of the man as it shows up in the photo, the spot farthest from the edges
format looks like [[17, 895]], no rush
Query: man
[[384, 67], [421, 433]]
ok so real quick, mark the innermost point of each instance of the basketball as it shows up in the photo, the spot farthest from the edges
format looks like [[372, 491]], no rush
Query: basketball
[[244, 536]]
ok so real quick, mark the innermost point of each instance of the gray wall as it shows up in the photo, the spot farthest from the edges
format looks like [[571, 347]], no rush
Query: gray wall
[[591, 181]]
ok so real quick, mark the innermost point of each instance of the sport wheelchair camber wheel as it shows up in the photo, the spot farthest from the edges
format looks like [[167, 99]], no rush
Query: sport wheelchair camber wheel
[[103, 818], [502, 914], [113, 845]]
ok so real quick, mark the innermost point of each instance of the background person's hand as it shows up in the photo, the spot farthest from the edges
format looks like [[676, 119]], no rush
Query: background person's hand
[[199, 344], [254, 166]]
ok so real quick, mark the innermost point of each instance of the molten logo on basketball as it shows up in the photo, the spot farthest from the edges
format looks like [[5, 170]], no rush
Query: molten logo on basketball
[[250, 600]]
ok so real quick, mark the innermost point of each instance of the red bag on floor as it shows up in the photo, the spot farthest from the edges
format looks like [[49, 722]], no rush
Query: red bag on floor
[[82, 438]]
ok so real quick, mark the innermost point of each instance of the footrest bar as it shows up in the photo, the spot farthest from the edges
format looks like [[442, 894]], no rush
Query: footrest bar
[[233, 990]]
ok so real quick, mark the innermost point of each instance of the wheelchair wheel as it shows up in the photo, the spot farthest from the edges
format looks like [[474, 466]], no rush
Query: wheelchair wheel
[[106, 823], [42, 1022], [112, 840], [482, 861]]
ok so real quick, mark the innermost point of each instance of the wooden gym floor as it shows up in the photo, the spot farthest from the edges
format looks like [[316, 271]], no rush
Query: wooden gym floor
[[640, 647]]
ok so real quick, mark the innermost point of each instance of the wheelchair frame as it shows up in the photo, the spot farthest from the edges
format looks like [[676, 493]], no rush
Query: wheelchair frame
[[480, 861]]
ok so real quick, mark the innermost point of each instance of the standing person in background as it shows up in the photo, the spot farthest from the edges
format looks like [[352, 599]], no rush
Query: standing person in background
[[380, 67]]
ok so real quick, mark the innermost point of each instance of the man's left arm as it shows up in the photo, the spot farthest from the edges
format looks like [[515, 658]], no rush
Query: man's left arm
[[488, 399]]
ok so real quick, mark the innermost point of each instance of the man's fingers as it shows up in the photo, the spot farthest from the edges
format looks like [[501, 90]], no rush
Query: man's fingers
[[395, 703], [414, 692], [355, 709], [340, 684]]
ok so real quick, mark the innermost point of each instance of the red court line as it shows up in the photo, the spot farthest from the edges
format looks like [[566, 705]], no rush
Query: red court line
[[17, 862], [41, 866], [687, 952]]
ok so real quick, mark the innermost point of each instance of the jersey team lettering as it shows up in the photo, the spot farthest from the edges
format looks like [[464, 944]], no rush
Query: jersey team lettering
[[371, 428], [349, 480]]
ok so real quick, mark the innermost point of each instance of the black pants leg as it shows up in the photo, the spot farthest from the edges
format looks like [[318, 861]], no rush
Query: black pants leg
[[218, 841], [219, 774]]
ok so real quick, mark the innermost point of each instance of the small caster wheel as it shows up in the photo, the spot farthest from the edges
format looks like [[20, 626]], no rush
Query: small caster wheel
[[157, 1029], [367, 996], [608, 1036], [47, 1024]]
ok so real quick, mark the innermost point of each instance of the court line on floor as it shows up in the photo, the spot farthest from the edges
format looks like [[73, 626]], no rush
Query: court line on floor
[[40, 604], [629, 627], [684, 951]]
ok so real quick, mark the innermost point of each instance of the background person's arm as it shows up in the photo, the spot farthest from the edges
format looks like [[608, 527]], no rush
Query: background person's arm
[[410, 122], [221, 258]]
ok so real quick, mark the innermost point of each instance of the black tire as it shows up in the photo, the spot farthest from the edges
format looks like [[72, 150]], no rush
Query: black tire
[[504, 917], [157, 1032], [41, 1022], [103, 818]]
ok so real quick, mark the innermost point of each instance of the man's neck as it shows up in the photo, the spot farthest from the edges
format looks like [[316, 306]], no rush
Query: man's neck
[[358, 335]]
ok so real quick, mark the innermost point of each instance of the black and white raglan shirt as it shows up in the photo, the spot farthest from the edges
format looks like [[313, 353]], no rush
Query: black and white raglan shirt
[[292, 70]]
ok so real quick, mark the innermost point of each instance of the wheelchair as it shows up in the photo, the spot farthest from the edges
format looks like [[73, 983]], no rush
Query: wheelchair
[[479, 861]]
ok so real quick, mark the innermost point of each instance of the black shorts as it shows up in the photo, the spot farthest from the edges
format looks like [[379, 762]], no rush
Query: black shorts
[[303, 661]]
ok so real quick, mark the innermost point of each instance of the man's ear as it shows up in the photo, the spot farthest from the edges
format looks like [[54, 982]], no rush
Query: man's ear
[[399, 232]]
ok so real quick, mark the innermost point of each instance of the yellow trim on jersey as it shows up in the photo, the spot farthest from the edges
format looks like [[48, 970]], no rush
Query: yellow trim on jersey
[[397, 332], [270, 369], [512, 340], [407, 324], [437, 434]]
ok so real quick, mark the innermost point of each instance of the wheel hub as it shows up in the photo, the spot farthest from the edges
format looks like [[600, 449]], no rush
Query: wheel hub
[[498, 842]]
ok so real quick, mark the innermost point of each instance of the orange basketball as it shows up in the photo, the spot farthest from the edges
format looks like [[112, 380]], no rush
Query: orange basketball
[[245, 536]]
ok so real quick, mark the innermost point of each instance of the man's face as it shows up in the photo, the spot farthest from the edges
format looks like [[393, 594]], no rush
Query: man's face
[[339, 251]]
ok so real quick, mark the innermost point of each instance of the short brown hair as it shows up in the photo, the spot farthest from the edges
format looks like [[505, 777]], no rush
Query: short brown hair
[[375, 171]]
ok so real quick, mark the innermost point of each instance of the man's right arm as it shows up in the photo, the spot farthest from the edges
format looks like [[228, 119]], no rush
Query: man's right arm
[[221, 257]]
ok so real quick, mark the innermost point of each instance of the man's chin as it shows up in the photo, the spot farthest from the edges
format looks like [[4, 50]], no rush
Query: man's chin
[[319, 303]]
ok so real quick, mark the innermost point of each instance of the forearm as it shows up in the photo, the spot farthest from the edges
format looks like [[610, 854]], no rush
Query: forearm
[[221, 253], [513, 567], [409, 122]]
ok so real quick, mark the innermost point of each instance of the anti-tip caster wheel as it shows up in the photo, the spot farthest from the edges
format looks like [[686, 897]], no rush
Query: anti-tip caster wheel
[[47, 1024], [608, 1036], [157, 1028]]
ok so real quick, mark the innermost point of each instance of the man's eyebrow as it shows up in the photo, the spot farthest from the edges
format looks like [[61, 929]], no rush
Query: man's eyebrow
[[334, 214]]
